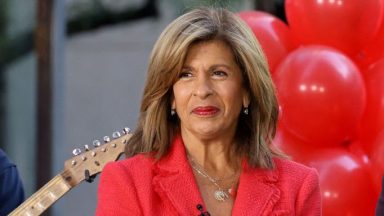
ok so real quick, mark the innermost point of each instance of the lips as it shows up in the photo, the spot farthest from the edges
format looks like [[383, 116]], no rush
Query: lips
[[205, 111]]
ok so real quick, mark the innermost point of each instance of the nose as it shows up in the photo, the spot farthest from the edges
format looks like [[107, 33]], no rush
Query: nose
[[203, 87]]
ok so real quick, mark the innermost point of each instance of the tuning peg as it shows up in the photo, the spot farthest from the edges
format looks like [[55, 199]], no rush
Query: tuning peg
[[76, 151], [86, 147], [126, 130], [96, 143], [116, 135], [106, 139]]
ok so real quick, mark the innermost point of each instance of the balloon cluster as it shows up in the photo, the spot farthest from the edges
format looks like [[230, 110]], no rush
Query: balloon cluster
[[328, 68]]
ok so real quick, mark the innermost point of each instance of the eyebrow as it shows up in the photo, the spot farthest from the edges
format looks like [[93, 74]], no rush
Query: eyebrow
[[211, 67]]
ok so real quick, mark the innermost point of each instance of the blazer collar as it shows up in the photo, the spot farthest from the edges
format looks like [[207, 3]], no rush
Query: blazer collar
[[257, 192], [174, 180]]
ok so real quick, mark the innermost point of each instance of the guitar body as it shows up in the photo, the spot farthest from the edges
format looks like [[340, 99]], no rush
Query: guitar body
[[77, 169]]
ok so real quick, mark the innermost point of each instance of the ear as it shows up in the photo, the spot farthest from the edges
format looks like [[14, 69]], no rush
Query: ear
[[246, 99], [173, 103]]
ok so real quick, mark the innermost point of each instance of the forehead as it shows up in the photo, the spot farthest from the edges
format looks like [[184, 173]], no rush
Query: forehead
[[212, 49]]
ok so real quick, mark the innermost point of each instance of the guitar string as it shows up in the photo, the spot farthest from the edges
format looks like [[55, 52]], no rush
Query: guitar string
[[42, 193], [36, 197]]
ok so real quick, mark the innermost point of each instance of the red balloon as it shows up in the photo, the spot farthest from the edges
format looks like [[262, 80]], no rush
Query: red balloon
[[377, 159], [356, 149], [345, 183], [375, 48], [345, 25], [273, 34], [291, 145], [373, 118], [322, 95]]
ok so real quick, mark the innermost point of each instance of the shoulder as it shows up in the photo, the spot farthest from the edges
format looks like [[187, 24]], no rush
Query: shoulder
[[288, 169], [4, 162], [124, 177], [300, 185], [132, 162], [124, 181], [8, 170], [296, 179], [130, 166], [12, 191]]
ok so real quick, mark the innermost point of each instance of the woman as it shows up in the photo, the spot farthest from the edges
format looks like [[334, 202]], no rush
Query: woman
[[203, 142], [11, 187]]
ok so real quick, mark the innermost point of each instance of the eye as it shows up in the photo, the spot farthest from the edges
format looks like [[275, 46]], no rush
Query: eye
[[219, 73], [185, 74]]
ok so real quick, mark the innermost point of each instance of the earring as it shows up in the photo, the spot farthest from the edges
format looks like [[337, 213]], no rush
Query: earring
[[245, 110], [173, 112]]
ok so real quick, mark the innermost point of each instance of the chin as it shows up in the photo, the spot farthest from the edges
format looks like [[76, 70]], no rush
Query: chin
[[209, 133]]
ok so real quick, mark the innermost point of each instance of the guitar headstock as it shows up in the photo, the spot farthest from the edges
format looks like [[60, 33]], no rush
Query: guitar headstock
[[92, 161]]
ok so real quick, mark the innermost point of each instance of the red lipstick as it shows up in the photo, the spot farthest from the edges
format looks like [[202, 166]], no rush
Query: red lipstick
[[205, 110]]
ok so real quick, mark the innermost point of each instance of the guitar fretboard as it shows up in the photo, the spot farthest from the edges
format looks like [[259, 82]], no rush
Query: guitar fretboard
[[44, 198]]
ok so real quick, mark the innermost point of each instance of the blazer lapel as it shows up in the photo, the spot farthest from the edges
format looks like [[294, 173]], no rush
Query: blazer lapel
[[257, 193], [174, 181]]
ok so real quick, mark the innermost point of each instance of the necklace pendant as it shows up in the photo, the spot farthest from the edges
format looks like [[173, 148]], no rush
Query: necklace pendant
[[221, 195]]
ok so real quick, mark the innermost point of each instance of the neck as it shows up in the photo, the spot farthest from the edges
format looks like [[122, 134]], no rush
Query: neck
[[216, 156]]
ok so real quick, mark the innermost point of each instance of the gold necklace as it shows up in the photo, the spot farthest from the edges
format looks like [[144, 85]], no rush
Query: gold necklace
[[220, 194]]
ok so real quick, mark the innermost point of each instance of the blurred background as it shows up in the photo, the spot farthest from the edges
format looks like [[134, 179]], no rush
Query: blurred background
[[72, 71]]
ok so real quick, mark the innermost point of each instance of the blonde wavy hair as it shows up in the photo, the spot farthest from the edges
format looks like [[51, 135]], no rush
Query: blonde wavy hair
[[156, 126]]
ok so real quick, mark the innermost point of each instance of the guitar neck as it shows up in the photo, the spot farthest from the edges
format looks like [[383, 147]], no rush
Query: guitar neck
[[45, 197], [78, 168]]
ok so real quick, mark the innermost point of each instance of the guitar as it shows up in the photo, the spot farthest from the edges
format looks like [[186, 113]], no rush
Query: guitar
[[83, 166]]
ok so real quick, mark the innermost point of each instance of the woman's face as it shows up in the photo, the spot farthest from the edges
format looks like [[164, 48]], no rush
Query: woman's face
[[209, 94]]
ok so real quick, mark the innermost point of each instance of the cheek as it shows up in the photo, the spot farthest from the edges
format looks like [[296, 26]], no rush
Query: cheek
[[180, 96], [232, 94]]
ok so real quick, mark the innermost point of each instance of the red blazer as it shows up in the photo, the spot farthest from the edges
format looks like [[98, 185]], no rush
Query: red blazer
[[141, 186]]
